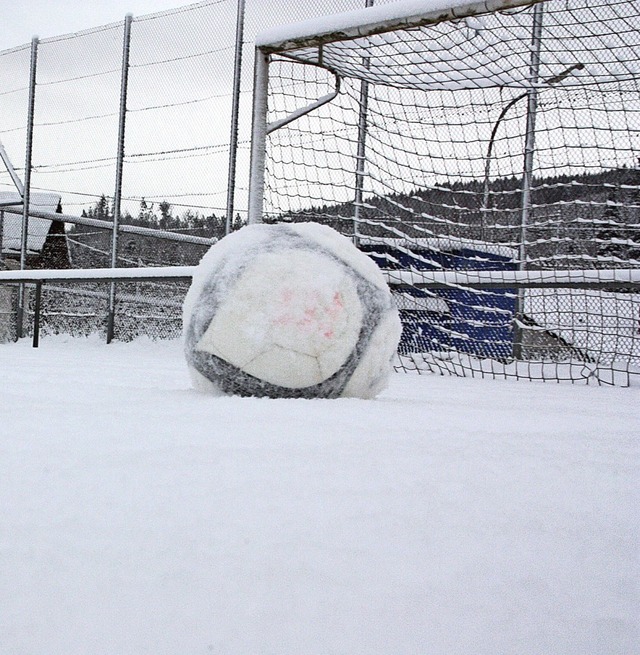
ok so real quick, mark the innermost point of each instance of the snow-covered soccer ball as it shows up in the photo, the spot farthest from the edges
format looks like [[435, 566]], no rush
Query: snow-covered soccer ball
[[289, 311]]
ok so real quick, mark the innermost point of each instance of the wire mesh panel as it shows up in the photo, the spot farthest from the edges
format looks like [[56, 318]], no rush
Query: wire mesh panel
[[179, 108], [489, 141], [7, 313], [78, 308], [14, 93], [566, 334], [76, 115]]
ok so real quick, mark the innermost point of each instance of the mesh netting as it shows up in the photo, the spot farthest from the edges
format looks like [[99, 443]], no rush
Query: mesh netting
[[502, 142], [80, 309]]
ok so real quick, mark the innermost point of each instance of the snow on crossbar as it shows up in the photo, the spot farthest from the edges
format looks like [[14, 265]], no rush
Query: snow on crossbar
[[374, 20]]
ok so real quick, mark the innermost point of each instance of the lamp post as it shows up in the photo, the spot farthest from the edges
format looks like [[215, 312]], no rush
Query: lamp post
[[549, 82], [531, 95]]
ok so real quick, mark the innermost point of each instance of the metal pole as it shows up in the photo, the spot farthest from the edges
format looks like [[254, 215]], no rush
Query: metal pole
[[258, 136], [360, 155], [36, 315], [235, 110], [27, 185], [360, 158], [527, 177], [108, 225], [117, 196], [529, 148], [549, 82]]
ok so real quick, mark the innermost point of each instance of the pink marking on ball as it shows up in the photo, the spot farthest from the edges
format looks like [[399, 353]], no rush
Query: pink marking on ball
[[309, 317]]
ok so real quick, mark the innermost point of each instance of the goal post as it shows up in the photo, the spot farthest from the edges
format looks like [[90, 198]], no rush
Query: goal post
[[469, 138], [342, 27]]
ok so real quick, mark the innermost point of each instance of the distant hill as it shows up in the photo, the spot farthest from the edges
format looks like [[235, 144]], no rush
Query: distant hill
[[579, 221]]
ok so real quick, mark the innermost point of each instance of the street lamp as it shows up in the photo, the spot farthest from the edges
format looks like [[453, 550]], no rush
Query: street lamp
[[549, 82]]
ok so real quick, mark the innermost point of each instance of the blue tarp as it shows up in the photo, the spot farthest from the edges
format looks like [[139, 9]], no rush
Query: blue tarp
[[476, 322]]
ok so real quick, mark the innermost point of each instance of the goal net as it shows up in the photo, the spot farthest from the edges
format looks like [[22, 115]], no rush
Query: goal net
[[487, 156]]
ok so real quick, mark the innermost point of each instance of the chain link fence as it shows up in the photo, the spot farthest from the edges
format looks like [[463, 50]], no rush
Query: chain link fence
[[179, 102], [183, 178], [178, 106], [143, 309]]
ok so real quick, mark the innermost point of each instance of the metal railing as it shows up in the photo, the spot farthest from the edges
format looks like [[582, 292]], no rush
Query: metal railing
[[56, 281]]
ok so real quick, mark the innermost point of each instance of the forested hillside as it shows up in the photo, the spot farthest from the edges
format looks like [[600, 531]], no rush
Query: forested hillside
[[581, 221], [576, 221], [90, 247]]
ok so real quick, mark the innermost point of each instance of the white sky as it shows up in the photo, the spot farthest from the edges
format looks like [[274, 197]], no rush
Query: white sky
[[44, 18]]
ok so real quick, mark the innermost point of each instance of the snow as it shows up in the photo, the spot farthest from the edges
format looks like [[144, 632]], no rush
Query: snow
[[531, 277], [448, 516], [444, 244], [361, 21], [464, 45], [569, 276], [11, 224], [80, 274]]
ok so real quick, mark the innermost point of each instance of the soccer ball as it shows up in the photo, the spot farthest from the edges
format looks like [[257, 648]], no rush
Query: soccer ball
[[289, 311]]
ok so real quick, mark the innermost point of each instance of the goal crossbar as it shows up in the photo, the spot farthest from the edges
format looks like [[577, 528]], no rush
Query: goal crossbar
[[376, 20]]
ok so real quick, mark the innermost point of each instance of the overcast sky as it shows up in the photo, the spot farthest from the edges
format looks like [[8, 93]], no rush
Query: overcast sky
[[44, 18]]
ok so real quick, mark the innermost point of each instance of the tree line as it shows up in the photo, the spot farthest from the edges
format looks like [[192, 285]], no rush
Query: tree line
[[578, 219], [162, 216], [91, 247]]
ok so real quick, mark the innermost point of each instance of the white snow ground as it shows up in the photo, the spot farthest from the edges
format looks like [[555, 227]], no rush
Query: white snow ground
[[448, 516]]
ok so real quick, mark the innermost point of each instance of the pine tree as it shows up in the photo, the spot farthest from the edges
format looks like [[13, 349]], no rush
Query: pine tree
[[146, 216], [166, 221], [102, 208]]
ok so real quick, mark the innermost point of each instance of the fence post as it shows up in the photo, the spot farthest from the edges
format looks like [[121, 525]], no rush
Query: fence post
[[527, 176], [117, 195], [36, 314], [27, 185], [235, 110], [360, 155]]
